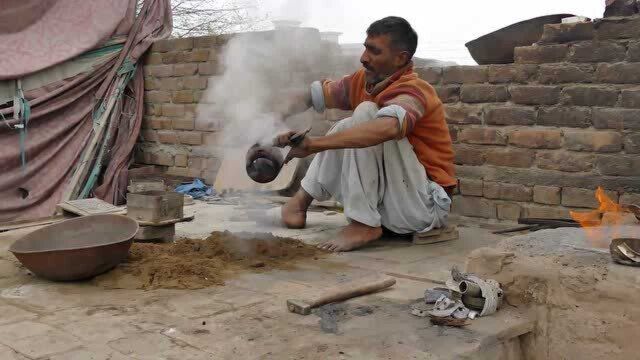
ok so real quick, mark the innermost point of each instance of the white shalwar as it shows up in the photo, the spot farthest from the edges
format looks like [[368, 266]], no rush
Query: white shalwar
[[380, 185]]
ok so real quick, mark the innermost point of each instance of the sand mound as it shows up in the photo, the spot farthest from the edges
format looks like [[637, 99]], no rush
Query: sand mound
[[195, 264]]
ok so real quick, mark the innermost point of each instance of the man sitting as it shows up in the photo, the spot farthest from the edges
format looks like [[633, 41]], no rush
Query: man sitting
[[391, 163]]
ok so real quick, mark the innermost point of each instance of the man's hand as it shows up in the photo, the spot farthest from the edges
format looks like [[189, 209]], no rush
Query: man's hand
[[300, 149]]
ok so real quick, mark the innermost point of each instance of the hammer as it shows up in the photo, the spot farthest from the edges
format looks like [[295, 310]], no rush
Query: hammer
[[340, 293]]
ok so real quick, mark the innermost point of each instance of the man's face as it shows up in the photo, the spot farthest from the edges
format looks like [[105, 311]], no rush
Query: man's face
[[380, 60]]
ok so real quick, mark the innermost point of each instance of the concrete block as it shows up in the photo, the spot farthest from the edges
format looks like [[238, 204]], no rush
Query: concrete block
[[563, 33], [618, 73], [589, 95], [565, 73], [541, 54], [597, 52]]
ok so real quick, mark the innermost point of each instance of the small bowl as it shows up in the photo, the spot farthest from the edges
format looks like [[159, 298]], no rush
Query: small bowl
[[76, 249], [619, 257]]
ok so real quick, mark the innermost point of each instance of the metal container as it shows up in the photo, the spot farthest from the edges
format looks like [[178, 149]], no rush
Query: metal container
[[498, 47], [155, 206], [263, 163], [76, 249]]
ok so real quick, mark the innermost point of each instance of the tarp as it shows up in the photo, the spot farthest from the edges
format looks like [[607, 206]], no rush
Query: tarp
[[82, 116]]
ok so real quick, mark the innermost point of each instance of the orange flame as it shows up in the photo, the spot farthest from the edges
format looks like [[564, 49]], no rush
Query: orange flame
[[609, 213]]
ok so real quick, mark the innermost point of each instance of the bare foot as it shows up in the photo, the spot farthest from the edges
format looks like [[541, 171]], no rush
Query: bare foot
[[294, 212], [353, 236]]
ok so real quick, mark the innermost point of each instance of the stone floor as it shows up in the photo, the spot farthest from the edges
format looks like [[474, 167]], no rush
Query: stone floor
[[247, 318]]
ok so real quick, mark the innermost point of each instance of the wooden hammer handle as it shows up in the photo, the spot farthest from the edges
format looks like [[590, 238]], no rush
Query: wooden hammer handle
[[349, 291]]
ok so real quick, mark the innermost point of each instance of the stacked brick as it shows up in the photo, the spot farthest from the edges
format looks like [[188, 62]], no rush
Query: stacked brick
[[176, 73], [537, 137]]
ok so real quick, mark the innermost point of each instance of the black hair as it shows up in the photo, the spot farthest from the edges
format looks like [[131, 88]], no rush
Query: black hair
[[402, 35]]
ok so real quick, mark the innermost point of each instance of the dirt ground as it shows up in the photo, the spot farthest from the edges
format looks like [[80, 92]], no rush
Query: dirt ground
[[199, 263]]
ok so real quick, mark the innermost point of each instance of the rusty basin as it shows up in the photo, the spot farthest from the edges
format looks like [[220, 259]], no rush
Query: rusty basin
[[76, 249]]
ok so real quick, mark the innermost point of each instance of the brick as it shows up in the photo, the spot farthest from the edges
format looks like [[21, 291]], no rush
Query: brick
[[616, 118], [618, 28], [453, 132], [618, 165], [180, 160], [161, 158], [589, 95], [205, 41], [464, 74], [170, 83], [158, 70], [173, 57], [195, 82], [550, 195], [152, 109], [632, 144], [182, 97], [186, 172], [185, 69], [212, 163], [474, 206], [633, 53], [563, 116], [562, 33], [190, 137], [619, 73], [167, 137], [183, 123], [208, 123], [510, 157], [503, 191], [448, 93], [153, 58], [565, 161], [629, 198], [182, 44], [466, 155], [483, 93], [161, 46], [157, 96], [535, 94], [510, 115], [211, 139], [432, 75], [511, 73], [545, 212], [172, 110], [208, 68], [470, 187], [540, 54], [149, 135], [585, 198], [509, 211], [151, 83], [463, 114], [484, 136], [598, 141], [196, 162], [536, 139], [630, 98], [565, 73], [155, 122], [198, 96], [596, 52], [197, 55]]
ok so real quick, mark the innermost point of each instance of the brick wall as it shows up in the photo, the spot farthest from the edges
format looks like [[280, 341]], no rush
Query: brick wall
[[533, 138], [536, 137], [178, 72]]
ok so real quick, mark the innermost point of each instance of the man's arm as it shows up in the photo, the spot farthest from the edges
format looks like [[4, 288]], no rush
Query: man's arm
[[363, 135]]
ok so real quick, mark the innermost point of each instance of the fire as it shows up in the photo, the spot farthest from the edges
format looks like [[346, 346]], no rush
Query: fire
[[609, 213]]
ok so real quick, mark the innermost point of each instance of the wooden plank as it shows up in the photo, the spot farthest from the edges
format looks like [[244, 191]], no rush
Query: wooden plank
[[21, 224]]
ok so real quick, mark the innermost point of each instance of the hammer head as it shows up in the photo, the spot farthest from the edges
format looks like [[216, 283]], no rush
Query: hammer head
[[298, 307]]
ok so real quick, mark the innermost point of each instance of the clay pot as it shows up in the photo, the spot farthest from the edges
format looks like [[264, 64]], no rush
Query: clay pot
[[263, 163]]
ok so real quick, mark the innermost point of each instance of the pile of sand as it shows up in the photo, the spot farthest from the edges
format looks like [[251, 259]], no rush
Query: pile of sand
[[195, 264]]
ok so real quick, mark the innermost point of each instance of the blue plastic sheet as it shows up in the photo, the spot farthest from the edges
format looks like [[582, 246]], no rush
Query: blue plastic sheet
[[197, 189]]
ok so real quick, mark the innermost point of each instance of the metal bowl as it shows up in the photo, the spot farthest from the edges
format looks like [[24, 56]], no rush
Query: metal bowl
[[625, 251], [76, 249], [498, 47]]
